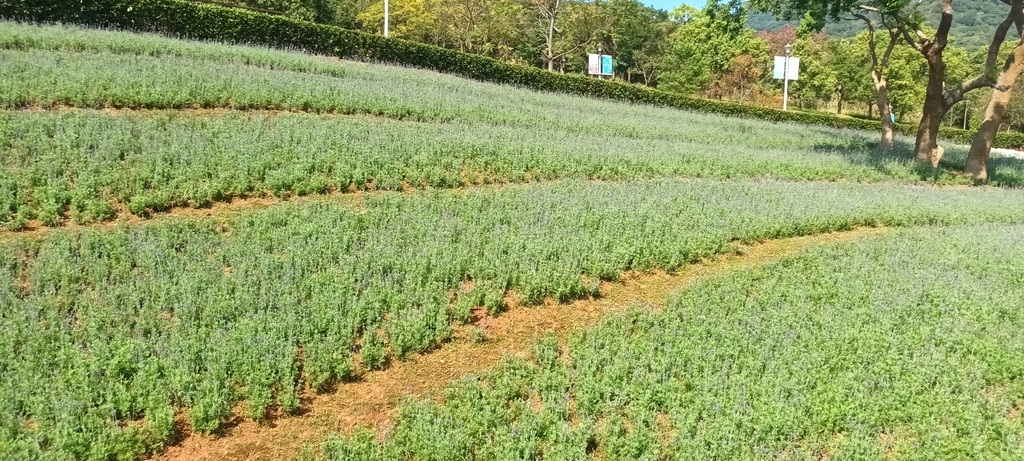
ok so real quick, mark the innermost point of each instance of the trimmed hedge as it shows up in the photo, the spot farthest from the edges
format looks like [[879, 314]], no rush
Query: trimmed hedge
[[197, 21]]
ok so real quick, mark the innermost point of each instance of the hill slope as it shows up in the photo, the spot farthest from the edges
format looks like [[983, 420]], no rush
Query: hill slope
[[974, 21], [490, 133], [116, 340]]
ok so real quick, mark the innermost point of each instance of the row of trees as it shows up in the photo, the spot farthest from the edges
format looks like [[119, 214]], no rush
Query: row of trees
[[897, 64], [899, 21]]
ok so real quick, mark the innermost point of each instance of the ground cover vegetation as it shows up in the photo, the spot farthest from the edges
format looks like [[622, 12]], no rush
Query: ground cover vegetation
[[210, 22], [87, 165], [903, 346], [413, 94], [110, 331]]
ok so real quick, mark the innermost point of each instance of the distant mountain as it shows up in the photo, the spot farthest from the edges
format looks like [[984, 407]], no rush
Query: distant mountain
[[974, 21]]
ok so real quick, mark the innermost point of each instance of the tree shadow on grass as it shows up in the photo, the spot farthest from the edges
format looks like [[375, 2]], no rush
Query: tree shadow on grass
[[1002, 171], [899, 163]]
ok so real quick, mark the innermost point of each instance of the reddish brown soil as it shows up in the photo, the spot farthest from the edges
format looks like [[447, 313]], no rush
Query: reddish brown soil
[[373, 399]]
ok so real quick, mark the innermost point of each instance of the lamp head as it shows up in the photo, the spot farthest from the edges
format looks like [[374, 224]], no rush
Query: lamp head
[[789, 49]]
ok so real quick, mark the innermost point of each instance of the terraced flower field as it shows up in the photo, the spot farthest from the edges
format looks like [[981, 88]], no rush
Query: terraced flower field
[[118, 339], [89, 164]]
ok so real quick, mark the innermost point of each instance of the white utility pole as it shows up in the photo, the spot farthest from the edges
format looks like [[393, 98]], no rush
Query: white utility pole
[[385, 18], [785, 77]]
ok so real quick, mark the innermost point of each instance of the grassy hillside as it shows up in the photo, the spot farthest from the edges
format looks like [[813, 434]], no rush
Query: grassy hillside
[[107, 332], [900, 347], [262, 128], [117, 339]]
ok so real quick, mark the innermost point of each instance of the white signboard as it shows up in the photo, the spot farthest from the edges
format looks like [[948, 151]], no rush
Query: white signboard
[[793, 69], [593, 64], [599, 64]]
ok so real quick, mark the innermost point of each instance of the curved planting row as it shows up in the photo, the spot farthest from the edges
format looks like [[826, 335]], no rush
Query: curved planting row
[[87, 165], [905, 346]]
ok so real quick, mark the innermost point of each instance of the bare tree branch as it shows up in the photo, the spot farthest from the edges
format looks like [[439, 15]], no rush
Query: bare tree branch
[[1013, 17], [894, 36], [871, 39], [904, 28], [942, 34], [988, 78]]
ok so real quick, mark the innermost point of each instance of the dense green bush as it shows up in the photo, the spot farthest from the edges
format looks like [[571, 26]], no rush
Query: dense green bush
[[185, 19]]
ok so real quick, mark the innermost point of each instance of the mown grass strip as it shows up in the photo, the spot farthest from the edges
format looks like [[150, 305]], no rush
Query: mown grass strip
[[904, 346], [108, 332]]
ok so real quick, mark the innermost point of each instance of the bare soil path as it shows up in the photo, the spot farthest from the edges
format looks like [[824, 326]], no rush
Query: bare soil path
[[373, 400]]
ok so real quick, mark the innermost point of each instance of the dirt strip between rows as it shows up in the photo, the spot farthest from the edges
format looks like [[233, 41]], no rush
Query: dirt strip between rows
[[373, 400]]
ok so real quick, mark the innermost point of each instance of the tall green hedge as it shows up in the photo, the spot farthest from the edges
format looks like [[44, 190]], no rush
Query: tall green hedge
[[199, 21]]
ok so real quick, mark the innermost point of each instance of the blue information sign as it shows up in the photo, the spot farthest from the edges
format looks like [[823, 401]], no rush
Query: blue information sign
[[606, 64]]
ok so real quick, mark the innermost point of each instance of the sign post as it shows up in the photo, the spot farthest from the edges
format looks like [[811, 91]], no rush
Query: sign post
[[786, 68], [599, 64], [594, 64]]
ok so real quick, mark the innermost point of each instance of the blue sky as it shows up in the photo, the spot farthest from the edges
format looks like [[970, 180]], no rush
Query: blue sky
[[669, 5]]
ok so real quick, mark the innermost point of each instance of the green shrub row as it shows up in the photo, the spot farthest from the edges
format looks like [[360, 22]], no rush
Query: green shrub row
[[196, 21]]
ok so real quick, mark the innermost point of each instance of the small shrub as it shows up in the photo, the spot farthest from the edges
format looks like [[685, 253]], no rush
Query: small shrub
[[373, 351], [477, 335]]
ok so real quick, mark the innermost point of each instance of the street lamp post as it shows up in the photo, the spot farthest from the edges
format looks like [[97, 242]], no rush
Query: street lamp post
[[600, 53], [385, 18], [785, 78]]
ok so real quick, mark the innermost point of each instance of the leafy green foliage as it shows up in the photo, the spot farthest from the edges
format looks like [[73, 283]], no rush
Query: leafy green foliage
[[850, 60], [702, 49], [817, 80], [637, 37], [108, 331], [899, 347], [373, 350], [409, 19], [974, 22]]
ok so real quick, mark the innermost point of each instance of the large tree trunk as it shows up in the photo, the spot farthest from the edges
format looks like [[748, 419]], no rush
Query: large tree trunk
[[977, 159], [881, 81], [927, 147], [936, 102], [938, 99], [882, 93]]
